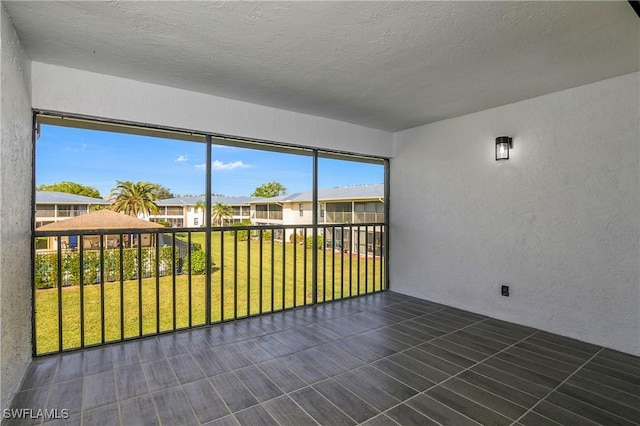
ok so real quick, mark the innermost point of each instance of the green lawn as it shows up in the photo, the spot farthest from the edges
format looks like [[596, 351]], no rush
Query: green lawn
[[238, 296]]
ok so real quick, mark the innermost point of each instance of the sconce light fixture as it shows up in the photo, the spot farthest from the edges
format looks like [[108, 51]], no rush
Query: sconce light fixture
[[503, 144]]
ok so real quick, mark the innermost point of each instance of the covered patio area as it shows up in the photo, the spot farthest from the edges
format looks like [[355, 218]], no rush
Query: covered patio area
[[378, 359], [101, 220]]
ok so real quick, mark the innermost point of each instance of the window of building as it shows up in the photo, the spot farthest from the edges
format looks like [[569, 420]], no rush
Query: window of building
[[45, 210], [68, 210], [195, 221], [301, 209]]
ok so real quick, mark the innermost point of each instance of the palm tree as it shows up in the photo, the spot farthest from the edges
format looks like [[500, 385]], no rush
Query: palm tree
[[201, 206], [135, 198], [220, 212]]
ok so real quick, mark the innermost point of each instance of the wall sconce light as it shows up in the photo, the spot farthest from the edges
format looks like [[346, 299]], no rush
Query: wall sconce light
[[503, 144]]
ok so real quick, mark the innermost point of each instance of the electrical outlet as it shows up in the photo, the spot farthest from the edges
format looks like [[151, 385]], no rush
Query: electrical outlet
[[505, 290]]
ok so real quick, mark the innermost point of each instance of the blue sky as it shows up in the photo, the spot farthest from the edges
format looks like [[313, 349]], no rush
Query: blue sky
[[98, 159]]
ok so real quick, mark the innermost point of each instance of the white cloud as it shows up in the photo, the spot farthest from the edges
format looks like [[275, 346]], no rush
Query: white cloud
[[181, 159], [219, 165]]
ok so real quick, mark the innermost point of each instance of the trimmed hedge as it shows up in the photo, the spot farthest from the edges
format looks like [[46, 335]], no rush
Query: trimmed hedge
[[46, 266]]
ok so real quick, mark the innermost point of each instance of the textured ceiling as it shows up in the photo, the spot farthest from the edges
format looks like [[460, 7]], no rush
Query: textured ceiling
[[386, 65]]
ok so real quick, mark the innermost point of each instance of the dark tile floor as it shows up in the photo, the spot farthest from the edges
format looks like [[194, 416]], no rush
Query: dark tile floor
[[379, 359]]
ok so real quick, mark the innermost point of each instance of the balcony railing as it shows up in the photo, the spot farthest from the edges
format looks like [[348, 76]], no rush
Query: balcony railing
[[97, 287], [274, 215]]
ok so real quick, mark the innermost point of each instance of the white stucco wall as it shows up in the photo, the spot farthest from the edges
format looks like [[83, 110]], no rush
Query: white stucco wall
[[15, 217], [69, 90], [559, 222]]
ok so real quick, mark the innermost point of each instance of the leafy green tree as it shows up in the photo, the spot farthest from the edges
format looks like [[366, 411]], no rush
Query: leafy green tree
[[71, 188], [163, 192], [220, 212], [269, 189], [135, 198]]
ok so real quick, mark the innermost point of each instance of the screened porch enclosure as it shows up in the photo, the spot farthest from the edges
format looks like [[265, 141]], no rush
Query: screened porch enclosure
[[95, 283]]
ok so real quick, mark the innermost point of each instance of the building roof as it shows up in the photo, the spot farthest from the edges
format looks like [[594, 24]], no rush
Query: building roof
[[354, 192], [102, 219], [53, 197], [192, 201]]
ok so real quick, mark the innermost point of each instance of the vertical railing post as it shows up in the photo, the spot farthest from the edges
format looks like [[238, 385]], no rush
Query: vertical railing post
[[304, 259], [189, 280], [366, 259], [248, 233], [273, 250], [284, 265], [295, 266], [333, 263], [81, 260], [324, 263], [157, 273], [350, 260], [173, 275], [261, 267], [121, 266], [207, 238], [221, 276], [59, 277], [342, 261], [358, 254], [314, 237], [102, 331], [140, 325], [387, 222]]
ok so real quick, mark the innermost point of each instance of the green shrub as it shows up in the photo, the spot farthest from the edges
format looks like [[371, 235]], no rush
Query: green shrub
[[197, 265], [243, 234], [46, 270], [319, 242]]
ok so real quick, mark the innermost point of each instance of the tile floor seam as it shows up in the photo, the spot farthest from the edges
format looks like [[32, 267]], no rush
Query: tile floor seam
[[328, 400], [435, 383], [186, 399], [556, 389], [249, 408], [467, 369], [601, 396], [380, 415], [115, 382], [609, 387], [598, 362], [589, 404], [292, 400], [432, 419], [310, 385], [146, 379], [549, 358]]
